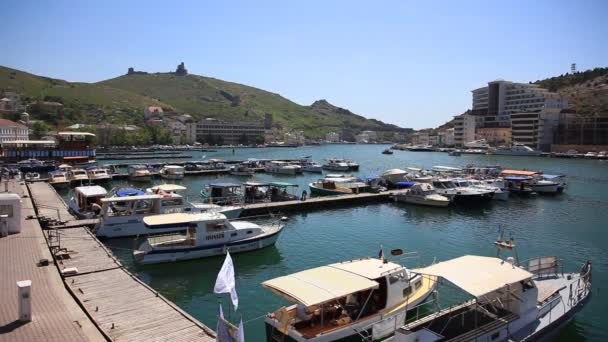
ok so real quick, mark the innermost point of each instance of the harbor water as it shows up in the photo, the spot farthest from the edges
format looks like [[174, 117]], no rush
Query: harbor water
[[571, 226]]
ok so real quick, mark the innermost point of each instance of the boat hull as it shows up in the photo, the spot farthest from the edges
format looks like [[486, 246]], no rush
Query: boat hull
[[146, 178], [162, 256], [326, 192], [117, 227], [545, 188], [420, 201]]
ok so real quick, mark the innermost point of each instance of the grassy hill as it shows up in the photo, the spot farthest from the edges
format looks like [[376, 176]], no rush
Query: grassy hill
[[83, 102], [211, 97], [587, 91], [122, 100]]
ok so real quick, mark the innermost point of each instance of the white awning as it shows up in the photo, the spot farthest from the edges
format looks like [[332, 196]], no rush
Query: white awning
[[169, 187], [130, 198], [92, 191], [182, 218], [477, 275], [319, 285]]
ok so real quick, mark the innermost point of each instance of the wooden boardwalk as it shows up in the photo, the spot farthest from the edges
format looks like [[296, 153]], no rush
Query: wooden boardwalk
[[48, 202], [121, 305], [55, 314], [325, 202]]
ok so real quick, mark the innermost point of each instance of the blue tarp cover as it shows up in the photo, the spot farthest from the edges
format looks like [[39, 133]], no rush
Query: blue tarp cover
[[129, 192]]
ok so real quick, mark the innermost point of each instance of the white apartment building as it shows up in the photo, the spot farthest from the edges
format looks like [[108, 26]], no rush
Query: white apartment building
[[446, 138], [502, 98], [536, 129], [332, 137], [11, 131], [421, 138], [464, 128]]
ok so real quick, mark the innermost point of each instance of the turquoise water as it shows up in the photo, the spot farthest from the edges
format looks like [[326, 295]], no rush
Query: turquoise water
[[571, 226]]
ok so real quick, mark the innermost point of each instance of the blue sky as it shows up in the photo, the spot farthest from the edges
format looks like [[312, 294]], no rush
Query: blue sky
[[404, 62]]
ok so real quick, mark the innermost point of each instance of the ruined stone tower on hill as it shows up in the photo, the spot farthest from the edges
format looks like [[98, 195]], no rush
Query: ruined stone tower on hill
[[181, 70]]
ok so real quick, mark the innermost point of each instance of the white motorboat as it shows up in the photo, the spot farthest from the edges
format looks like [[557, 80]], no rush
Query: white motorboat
[[78, 176], [139, 173], [206, 234], [281, 167], [59, 179], [480, 144], [559, 179], [241, 170], [85, 201], [516, 149], [393, 176], [509, 302], [334, 184], [602, 155], [32, 176], [98, 175], [490, 184], [423, 194], [311, 166], [335, 164], [418, 175], [460, 192], [345, 300], [173, 172], [590, 155], [122, 215], [542, 185]]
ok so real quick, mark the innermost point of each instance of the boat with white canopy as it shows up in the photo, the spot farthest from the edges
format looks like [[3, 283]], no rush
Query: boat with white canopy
[[509, 302], [85, 201], [206, 234], [345, 300], [122, 215]]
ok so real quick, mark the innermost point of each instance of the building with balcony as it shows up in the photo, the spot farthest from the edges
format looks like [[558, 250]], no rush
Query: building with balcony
[[499, 99], [464, 128]]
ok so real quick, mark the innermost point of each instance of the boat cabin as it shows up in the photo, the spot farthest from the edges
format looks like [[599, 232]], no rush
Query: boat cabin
[[141, 204], [502, 294], [86, 197], [343, 295], [202, 229], [281, 191], [223, 193], [255, 192]]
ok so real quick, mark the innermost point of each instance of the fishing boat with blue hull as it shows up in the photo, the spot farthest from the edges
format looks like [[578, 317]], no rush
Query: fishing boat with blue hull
[[206, 234]]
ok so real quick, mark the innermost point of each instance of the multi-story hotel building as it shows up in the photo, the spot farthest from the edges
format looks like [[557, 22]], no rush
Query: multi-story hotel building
[[500, 99], [464, 128], [216, 132]]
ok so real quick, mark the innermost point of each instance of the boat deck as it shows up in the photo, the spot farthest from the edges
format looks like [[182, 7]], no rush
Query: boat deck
[[120, 305]]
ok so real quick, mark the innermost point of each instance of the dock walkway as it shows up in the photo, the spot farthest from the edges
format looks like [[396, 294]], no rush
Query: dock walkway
[[55, 314], [120, 304], [312, 203]]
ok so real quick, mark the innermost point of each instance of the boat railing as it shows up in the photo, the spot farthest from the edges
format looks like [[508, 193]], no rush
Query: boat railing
[[543, 266]]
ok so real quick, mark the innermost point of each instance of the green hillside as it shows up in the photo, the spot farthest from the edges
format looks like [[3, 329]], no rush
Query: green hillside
[[122, 100], [209, 97], [83, 102]]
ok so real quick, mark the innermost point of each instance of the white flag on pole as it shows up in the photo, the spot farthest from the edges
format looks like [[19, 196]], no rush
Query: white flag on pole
[[225, 281], [240, 334]]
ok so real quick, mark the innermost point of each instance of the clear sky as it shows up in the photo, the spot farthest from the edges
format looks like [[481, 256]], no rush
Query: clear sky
[[411, 63]]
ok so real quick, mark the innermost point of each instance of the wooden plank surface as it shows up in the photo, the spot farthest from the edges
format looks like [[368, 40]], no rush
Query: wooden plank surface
[[120, 304], [56, 315]]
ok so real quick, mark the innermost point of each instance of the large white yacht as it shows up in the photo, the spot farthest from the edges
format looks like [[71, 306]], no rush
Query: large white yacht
[[206, 234], [345, 300], [457, 193], [516, 149], [122, 214], [508, 302], [477, 144]]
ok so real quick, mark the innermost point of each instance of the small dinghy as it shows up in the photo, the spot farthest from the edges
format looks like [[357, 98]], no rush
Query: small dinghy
[[501, 242]]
